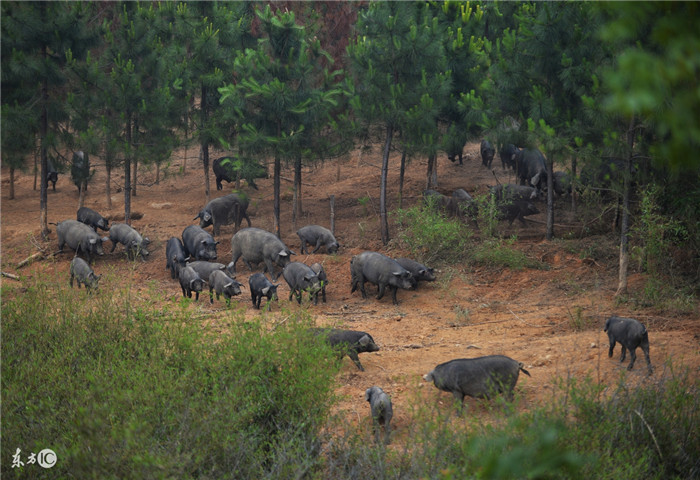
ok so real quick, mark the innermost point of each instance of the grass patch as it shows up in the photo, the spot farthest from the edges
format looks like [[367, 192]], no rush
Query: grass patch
[[120, 391], [500, 253]]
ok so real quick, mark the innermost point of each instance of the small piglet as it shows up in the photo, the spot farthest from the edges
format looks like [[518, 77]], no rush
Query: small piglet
[[631, 334], [317, 236], [321, 274], [381, 411], [518, 209], [301, 278], [418, 271], [260, 287], [224, 285], [81, 271], [349, 342], [93, 219], [133, 242], [190, 282], [175, 257]]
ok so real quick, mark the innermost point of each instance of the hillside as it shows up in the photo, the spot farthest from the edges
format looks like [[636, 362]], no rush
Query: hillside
[[550, 319]]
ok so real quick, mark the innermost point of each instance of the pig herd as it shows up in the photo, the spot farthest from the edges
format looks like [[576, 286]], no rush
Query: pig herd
[[191, 259]]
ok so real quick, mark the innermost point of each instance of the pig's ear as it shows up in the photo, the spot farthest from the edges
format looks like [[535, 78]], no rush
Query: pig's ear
[[228, 284], [283, 253], [367, 394], [93, 241], [364, 340], [397, 274], [265, 290]]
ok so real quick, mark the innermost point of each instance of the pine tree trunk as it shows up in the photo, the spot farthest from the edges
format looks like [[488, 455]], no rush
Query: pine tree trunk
[[550, 198], [573, 184], [157, 173], [276, 204], [12, 183], [133, 182], [431, 177], [383, 218], [624, 227], [402, 173], [43, 132], [205, 144], [296, 211], [204, 153], [36, 169], [108, 186], [127, 174]]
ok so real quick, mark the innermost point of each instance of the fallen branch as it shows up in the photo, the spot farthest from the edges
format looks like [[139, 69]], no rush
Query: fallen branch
[[355, 312], [30, 259], [9, 275]]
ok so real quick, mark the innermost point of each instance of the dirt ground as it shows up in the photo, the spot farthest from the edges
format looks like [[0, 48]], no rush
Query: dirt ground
[[467, 312]]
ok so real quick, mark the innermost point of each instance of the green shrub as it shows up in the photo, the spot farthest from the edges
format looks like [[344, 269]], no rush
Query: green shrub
[[500, 253], [124, 392], [431, 236]]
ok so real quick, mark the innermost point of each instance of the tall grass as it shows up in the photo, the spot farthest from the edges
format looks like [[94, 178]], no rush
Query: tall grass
[[586, 431], [121, 392]]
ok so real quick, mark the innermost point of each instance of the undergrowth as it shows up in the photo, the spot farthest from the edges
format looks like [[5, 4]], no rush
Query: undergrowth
[[586, 431], [120, 391]]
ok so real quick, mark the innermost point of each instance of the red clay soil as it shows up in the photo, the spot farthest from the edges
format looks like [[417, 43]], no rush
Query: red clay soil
[[468, 312]]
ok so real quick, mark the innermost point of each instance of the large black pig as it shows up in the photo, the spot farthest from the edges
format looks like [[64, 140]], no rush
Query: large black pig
[[259, 246], [381, 270], [198, 243], [79, 237], [226, 210], [480, 377]]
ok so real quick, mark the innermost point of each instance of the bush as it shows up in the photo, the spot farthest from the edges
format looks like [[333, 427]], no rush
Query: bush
[[431, 236], [500, 253], [585, 432], [119, 392]]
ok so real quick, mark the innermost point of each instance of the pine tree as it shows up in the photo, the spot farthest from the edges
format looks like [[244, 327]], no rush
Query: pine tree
[[134, 78], [210, 35], [393, 72], [38, 38], [542, 72], [279, 98]]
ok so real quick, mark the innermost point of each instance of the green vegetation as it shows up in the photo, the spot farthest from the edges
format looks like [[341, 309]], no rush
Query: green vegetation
[[121, 392], [587, 431], [433, 238]]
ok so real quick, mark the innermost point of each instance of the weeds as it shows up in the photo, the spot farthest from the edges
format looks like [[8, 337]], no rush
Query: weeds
[[587, 431], [119, 391], [501, 253], [431, 237]]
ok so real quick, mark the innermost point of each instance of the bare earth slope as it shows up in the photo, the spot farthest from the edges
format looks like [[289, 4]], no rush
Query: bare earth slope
[[467, 312]]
